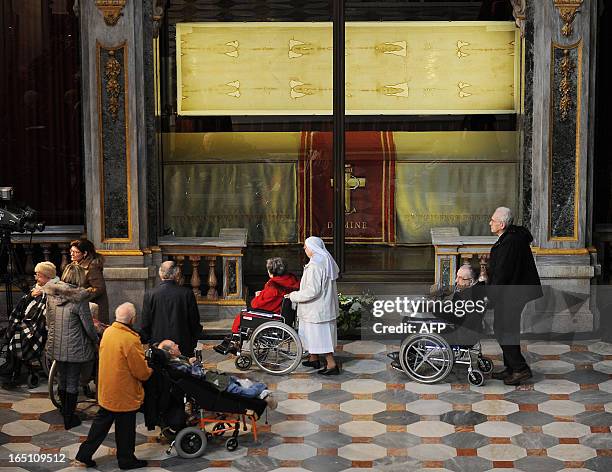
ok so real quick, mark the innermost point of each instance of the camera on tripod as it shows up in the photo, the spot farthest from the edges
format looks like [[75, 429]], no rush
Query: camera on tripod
[[15, 217]]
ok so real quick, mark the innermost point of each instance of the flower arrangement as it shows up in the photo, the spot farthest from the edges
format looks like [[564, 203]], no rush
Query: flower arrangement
[[352, 308]]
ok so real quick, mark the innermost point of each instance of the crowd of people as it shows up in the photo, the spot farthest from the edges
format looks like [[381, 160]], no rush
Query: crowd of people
[[75, 305]]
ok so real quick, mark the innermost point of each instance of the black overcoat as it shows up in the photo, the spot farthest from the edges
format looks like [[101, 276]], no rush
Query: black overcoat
[[170, 311], [513, 275]]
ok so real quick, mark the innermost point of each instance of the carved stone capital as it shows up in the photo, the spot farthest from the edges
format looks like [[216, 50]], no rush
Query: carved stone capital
[[518, 10], [111, 10], [567, 10]]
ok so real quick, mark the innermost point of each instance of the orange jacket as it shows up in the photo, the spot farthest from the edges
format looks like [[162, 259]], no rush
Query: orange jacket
[[122, 369]]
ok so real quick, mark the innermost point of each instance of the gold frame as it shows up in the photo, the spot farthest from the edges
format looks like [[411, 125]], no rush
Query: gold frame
[[554, 46], [99, 47]]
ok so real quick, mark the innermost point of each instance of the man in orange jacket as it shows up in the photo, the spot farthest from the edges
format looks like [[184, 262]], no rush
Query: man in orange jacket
[[122, 369]]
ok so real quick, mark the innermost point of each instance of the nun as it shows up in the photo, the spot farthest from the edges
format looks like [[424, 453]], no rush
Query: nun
[[317, 307]]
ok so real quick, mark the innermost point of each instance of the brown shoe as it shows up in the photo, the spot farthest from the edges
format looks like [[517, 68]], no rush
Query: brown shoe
[[517, 377], [502, 374]]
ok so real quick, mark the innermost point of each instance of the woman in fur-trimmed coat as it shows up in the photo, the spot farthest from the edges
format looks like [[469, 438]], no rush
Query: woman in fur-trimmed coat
[[72, 338]]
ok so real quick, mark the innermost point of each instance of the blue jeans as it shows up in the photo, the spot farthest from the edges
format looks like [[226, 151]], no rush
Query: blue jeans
[[250, 392]]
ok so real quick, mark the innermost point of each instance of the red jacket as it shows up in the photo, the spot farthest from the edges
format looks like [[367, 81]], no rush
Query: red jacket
[[271, 297]]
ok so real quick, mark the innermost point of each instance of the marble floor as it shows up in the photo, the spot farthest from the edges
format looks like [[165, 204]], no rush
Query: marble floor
[[371, 417]]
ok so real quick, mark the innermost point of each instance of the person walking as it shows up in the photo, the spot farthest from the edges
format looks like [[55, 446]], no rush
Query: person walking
[[122, 369], [514, 281], [317, 307]]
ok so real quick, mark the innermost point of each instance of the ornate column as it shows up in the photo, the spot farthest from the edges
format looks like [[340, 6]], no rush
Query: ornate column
[[563, 98], [118, 108]]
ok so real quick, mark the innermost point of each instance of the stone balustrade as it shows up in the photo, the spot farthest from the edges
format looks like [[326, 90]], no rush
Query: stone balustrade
[[453, 250], [52, 244], [202, 254]]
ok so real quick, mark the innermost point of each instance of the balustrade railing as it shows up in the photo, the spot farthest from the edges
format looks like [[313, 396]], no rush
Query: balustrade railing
[[452, 249], [52, 244], [202, 256]]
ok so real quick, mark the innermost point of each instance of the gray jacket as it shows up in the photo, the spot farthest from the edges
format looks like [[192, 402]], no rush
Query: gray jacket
[[72, 336]]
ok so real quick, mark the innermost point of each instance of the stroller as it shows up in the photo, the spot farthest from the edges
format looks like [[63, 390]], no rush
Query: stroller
[[270, 339], [207, 406], [22, 343], [429, 357]]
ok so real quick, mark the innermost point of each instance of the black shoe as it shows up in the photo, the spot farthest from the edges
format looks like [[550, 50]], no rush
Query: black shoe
[[396, 365], [502, 374], [394, 356], [314, 364], [223, 348], [333, 371], [517, 377], [137, 464]]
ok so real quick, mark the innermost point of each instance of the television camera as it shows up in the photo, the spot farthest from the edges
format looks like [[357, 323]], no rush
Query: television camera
[[14, 218]]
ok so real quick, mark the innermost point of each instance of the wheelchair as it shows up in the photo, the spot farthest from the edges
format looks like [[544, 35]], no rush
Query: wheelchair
[[270, 340], [429, 357], [35, 366]]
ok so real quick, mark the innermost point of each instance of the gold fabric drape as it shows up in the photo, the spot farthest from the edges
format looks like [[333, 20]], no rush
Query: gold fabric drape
[[215, 180]]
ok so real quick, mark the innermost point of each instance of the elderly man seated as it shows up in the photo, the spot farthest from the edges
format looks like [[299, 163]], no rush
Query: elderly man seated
[[467, 287], [222, 381]]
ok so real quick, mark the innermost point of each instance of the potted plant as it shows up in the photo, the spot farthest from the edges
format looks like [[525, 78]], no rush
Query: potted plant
[[352, 308]]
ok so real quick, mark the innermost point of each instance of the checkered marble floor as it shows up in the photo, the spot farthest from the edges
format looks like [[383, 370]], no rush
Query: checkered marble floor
[[371, 417]]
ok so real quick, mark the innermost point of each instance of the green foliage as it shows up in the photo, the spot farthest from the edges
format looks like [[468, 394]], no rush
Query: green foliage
[[352, 308]]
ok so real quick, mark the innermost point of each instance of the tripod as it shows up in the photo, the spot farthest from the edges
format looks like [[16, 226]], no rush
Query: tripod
[[13, 267]]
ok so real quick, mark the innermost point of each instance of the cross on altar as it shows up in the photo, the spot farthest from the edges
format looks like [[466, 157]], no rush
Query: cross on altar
[[350, 183]]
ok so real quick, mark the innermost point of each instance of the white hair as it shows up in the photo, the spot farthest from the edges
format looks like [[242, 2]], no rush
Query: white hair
[[468, 270], [505, 215], [125, 312]]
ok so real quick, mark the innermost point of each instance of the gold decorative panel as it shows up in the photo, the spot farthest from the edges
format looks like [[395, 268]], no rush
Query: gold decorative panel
[[391, 68]]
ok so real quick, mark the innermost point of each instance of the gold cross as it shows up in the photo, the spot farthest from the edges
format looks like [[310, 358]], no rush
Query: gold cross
[[350, 183]]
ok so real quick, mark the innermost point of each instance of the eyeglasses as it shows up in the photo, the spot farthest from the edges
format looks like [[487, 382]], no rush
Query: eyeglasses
[[75, 251]]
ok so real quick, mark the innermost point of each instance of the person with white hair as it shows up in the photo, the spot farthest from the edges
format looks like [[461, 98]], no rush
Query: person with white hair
[[513, 281], [170, 311], [317, 307], [27, 329], [122, 369]]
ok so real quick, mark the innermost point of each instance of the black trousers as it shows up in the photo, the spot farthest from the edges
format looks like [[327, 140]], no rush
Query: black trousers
[[125, 435], [507, 329]]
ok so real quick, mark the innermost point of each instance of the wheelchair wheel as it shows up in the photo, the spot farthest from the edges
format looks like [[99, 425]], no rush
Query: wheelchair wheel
[[190, 442], [476, 378], [53, 385], [426, 358], [485, 365], [276, 348], [231, 444], [243, 362], [45, 363]]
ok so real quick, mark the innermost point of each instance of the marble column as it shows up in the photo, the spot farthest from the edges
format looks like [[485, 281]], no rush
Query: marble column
[[120, 162], [560, 79]]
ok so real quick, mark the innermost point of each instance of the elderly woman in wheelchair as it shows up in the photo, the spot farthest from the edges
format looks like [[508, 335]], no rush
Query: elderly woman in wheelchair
[[429, 357]]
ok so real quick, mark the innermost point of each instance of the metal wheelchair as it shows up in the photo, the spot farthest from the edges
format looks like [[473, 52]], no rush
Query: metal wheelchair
[[270, 340], [430, 357]]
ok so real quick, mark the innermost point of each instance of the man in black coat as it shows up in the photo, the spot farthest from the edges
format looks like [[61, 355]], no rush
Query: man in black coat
[[170, 311], [514, 281]]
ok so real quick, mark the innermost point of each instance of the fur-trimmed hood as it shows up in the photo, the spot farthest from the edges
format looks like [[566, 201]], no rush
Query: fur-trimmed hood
[[66, 293]]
